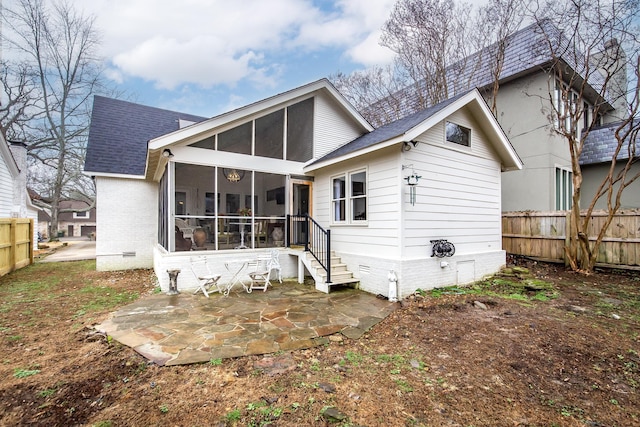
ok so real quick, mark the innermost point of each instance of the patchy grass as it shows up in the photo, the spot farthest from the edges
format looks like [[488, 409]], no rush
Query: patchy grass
[[517, 287]]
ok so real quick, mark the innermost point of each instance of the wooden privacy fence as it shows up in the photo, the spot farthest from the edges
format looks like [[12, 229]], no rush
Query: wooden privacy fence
[[543, 235], [16, 244]]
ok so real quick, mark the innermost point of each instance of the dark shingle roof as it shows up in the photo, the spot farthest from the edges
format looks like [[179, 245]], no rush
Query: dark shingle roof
[[600, 145], [527, 50], [390, 130], [119, 133]]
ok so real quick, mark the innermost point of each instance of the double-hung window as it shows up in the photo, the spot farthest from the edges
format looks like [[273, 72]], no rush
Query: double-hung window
[[349, 197], [564, 189], [339, 199]]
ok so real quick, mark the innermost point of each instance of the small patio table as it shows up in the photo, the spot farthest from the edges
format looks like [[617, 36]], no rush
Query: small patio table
[[236, 275], [241, 225]]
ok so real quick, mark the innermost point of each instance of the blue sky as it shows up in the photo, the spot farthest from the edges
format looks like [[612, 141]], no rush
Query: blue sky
[[206, 57]]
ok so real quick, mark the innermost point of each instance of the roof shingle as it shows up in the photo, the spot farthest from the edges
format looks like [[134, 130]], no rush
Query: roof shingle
[[119, 133], [601, 144]]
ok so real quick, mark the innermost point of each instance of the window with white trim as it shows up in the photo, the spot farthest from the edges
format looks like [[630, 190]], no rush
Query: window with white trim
[[349, 197], [81, 214], [339, 200], [458, 134], [564, 189], [565, 102]]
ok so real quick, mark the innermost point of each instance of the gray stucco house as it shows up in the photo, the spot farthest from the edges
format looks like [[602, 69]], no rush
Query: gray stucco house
[[528, 85]]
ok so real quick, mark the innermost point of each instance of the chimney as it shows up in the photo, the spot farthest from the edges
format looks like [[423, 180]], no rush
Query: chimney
[[612, 63], [20, 195]]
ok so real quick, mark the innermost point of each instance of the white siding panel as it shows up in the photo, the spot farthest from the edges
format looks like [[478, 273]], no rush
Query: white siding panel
[[332, 126], [379, 237], [6, 189], [458, 196]]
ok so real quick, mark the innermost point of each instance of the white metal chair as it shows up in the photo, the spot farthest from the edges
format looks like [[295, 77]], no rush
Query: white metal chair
[[259, 273], [274, 263], [206, 279]]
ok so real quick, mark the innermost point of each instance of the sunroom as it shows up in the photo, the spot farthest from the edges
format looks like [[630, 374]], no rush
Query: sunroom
[[232, 186]]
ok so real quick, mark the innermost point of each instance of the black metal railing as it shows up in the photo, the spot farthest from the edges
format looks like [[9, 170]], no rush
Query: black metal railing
[[302, 230]]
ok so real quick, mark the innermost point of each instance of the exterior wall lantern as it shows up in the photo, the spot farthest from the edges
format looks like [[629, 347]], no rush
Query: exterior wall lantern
[[412, 180]]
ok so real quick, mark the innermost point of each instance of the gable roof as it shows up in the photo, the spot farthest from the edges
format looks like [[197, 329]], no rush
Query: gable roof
[[410, 127], [601, 143], [197, 130], [7, 157], [119, 135]]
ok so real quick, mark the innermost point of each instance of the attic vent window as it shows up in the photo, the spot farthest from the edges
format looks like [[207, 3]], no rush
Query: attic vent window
[[458, 134]]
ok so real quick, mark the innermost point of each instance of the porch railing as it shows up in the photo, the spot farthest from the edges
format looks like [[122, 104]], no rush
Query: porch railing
[[302, 230]]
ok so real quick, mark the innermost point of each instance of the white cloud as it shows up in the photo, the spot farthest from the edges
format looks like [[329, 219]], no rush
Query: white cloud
[[204, 61], [369, 52], [205, 42]]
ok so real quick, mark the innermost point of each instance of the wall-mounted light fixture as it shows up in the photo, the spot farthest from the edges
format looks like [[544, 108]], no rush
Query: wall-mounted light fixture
[[412, 180], [408, 145], [233, 175], [167, 153]]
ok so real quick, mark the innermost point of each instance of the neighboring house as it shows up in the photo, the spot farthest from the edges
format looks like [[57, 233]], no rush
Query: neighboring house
[[75, 219], [241, 178], [44, 222], [527, 88], [14, 198], [595, 160]]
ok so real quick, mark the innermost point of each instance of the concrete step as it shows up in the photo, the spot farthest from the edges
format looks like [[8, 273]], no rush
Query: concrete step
[[341, 275], [351, 281], [334, 267]]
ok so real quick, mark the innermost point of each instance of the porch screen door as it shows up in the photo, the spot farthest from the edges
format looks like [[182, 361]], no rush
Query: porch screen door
[[300, 204]]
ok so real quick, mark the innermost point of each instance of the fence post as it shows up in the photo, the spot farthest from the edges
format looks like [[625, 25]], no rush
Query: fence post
[[13, 229]]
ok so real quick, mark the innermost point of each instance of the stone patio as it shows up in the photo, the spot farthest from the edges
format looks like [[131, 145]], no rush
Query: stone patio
[[185, 328]]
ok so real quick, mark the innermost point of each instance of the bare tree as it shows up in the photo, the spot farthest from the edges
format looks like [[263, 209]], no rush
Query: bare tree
[[500, 19], [17, 98], [375, 92], [59, 45], [428, 36], [442, 48], [590, 59]]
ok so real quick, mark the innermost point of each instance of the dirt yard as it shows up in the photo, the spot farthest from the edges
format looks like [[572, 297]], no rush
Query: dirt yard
[[549, 348]]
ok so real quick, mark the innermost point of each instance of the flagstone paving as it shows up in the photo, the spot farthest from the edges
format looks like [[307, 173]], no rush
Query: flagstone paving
[[186, 328]]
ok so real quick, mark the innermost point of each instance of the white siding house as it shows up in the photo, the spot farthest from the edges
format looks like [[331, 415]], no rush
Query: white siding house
[[457, 198], [14, 198], [280, 163]]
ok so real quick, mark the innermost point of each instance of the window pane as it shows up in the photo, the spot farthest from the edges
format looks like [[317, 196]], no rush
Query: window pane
[[339, 188], [300, 131], [269, 135], [359, 209], [208, 143], [457, 134], [358, 184], [339, 210], [236, 140], [193, 182], [558, 189], [233, 192], [269, 195]]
